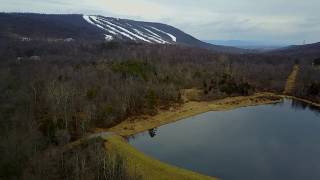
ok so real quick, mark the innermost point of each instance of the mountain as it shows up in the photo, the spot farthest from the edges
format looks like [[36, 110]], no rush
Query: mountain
[[309, 51], [254, 45], [129, 30], [27, 27]]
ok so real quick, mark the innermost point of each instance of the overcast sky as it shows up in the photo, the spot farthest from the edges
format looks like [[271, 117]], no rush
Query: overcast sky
[[277, 21]]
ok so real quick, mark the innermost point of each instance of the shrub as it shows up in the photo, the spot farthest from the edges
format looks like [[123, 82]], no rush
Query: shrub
[[151, 99], [313, 89], [133, 69], [92, 94], [88, 161]]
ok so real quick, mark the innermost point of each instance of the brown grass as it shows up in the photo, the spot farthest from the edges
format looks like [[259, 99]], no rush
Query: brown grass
[[291, 81], [138, 124]]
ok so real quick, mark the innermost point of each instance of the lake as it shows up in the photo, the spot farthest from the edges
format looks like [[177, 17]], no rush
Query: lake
[[267, 142]]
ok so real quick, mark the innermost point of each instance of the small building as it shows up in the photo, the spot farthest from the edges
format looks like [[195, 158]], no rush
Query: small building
[[35, 58], [68, 40], [25, 39]]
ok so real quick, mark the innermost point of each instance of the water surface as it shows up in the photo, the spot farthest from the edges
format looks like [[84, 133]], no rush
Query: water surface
[[267, 142]]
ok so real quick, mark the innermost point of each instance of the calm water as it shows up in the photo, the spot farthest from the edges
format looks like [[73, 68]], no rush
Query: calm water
[[268, 142]]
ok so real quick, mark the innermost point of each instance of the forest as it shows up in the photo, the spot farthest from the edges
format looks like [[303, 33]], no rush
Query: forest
[[53, 93]]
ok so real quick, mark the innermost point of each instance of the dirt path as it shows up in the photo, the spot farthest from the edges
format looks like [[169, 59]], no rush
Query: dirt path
[[101, 135], [291, 81]]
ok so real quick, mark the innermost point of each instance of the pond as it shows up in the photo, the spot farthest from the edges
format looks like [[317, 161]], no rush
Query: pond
[[267, 142]]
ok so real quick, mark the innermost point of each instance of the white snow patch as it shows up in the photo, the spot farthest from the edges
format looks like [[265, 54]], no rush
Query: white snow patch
[[170, 35], [126, 31], [158, 41], [87, 18], [151, 32], [112, 32], [108, 37], [151, 37], [154, 35], [148, 35], [139, 33], [115, 30], [94, 21]]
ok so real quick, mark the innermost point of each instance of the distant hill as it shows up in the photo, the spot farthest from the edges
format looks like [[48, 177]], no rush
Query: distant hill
[[309, 51], [43, 26], [27, 26], [254, 45]]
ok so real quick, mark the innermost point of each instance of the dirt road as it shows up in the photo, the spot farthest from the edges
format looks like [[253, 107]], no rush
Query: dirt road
[[291, 81]]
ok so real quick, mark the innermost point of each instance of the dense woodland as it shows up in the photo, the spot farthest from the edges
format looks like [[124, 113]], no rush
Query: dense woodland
[[42, 26], [308, 84], [54, 93]]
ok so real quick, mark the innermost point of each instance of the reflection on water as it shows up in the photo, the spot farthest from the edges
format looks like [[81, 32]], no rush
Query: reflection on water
[[267, 142], [153, 132], [300, 105]]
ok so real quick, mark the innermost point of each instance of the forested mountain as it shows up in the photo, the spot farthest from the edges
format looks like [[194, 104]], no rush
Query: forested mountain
[[27, 27], [308, 51], [46, 27], [63, 77]]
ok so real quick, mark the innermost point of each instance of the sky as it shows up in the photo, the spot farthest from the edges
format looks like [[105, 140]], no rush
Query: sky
[[270, 21]]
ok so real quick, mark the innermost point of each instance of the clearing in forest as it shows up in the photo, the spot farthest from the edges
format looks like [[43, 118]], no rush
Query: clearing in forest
[[291, 81]]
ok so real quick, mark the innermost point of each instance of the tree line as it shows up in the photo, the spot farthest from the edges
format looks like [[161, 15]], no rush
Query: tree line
[[72, 88]]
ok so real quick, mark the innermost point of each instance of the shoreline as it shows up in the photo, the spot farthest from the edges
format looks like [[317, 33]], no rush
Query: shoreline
[[302, 100], [134, 125], [146, 165]]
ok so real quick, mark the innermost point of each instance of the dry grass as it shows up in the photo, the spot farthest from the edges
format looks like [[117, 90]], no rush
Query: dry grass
[[138, 124], [291, 81], [191, 95]]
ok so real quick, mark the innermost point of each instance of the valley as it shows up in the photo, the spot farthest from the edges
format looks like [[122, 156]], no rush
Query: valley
[[76, 88]]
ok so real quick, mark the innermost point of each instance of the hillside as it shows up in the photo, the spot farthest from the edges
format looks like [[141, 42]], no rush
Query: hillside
[[62, 80], [309, 51], [27, 27], [253, 45], [46, 27]]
